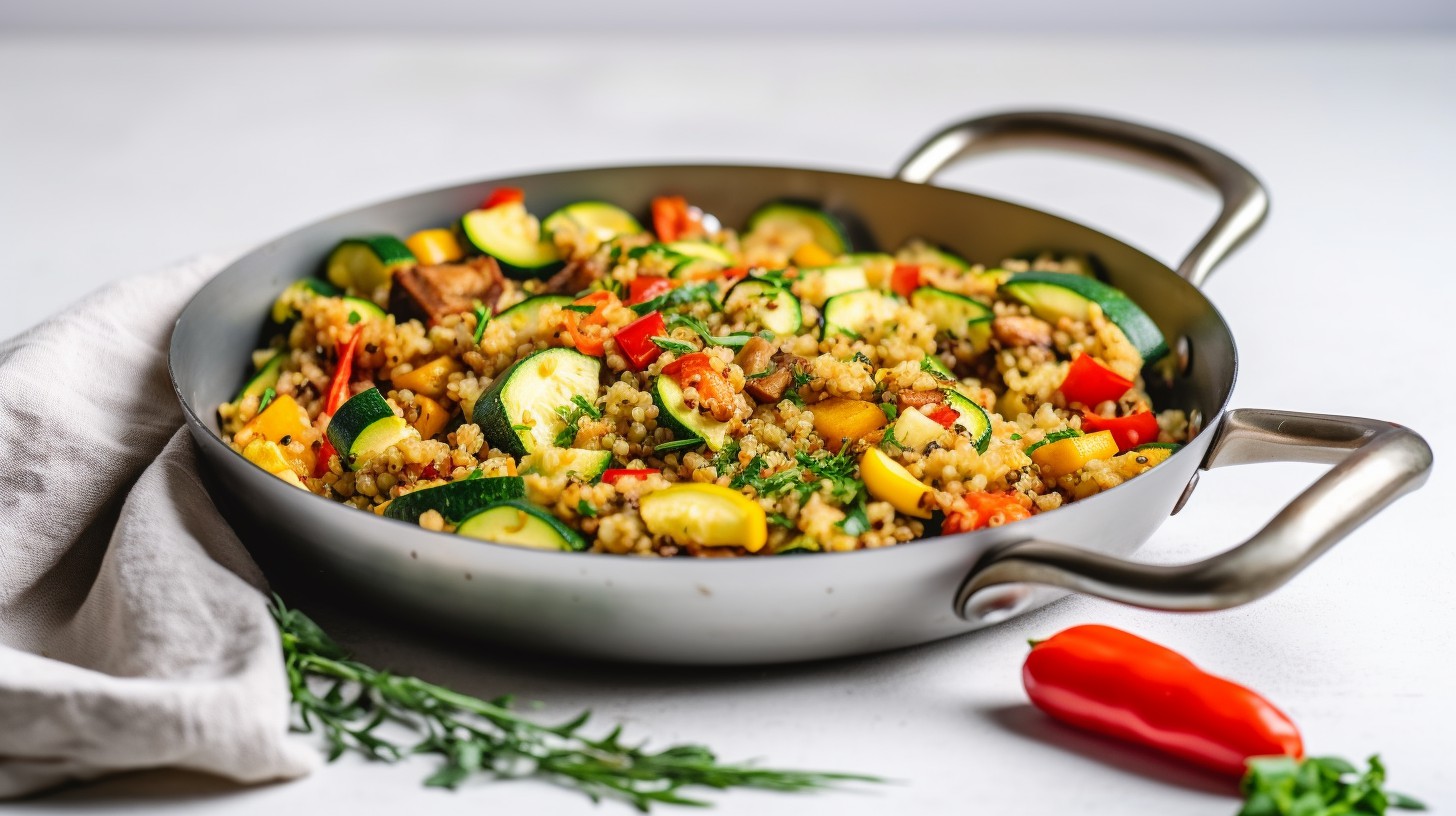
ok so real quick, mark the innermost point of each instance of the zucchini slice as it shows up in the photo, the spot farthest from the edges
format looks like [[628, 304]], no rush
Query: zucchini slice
[[772, 307], [819, 284], [867, 258], [456, 500], [855, 313], [364, 426], [367, 262], [286, 307], [697, 269], [931, 255], [365, 309], [511, 235], [683, 420], [961, 317], [525, 317], [914, 430], [518, 412], [521, 525], [601, 220], [1054, 295], [973, 422], [932, 363], [587, 465], [266, 378], [702, 249], [783, 216]]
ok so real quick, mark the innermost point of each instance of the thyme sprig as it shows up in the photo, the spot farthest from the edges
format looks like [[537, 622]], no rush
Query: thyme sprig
[[476, 736]]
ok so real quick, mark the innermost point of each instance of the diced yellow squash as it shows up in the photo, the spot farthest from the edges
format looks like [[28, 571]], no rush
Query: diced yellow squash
[[708, 515], [433, 417], [811, 254], [838, 419], [1067, 455], [434, 246], [1155, 456], [269, 456], [284, 419], [889, 481], [429, 379]]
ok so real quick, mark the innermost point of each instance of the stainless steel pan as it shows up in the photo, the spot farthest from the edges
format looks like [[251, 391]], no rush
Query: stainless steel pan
[[762, 610]]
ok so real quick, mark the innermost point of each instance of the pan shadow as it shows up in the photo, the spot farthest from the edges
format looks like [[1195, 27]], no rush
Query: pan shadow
[[1024, 721]]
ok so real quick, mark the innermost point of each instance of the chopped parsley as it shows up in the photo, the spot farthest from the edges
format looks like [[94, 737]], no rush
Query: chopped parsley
[[674, 346], [677, 445], [584, 509], [856, 520], [572, 416], [890, 410], [268, 395], [482, 317], [691, 323], [1055, 436], [354, 318], [681, 296]]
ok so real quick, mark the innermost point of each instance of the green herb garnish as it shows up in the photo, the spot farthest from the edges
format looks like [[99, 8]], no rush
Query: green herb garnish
[[681, 296], [676, 445], [354, 318], [929, 368], [268, 395], [482, 317], [572, 415], [346, 701], [736, 340], [890, 410], [861, 357], [584, 509], [781, 520], [579, 308], [856, 520], [520, 427], [674, 346], [1055, 436], [1318, 786], [1015, 436]]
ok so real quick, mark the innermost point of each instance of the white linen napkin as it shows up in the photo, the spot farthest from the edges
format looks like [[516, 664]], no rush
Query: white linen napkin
[[133, 630]]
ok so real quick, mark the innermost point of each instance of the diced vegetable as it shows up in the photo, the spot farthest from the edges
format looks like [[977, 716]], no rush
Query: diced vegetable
[[696, 269], [772, 307], [889, 481], [435, 246], [943, 415], [932, 363], [1091, 383], [972, 420], [612, 476], [586, 465], [1068, 455], [958, 316], [456, 500], [839, 419], [367, 262], [634, 340], [269, 456], [1129, 431], [821, 228], [914, 430], [522, 525], [855, 314], [429, 379], [821, 284], [284, 419], [286, 307], [433, 417], [598, 219], [364, 426], [706, 250], [518, 413], [922, 253], [673, 219], [811, 254], [578, 325], [707, 515], [1054, 295], [525, 317], [646, 287], [905, 279], [503, 195], [981, 509], [511, 235], [685, 422], [696, 370]]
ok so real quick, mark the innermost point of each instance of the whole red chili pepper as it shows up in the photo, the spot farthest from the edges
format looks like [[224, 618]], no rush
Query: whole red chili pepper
[[1116, 683]]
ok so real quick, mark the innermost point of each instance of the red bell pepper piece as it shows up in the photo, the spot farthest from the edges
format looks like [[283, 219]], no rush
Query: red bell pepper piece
[[905, 279], [673, 219], [1116, 683], [1090, 382], [634, 340], [647, 287], [944, 414], [587, 342], [696, 370], [1130, 431], [503, 195], [612, 475], [981, 509], [338, 392], [734, 273]]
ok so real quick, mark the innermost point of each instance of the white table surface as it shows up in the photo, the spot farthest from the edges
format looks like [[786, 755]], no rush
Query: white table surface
[[117, 156]]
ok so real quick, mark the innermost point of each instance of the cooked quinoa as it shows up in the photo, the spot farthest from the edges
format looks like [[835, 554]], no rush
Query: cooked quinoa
[[815, 423]]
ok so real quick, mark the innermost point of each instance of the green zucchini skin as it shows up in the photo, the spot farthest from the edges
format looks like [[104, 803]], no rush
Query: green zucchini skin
[[496, 419], [751, 295], [588, 465], [266, 378], [684, 421], [456, 500], [828, 232], [854, 313], [541, 530], [607, 220], [525, 316], [1052, 295], [488, 233], [974, 419], [363, 426]]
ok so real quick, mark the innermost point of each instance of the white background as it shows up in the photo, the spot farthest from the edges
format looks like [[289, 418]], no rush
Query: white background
[[117, 155]]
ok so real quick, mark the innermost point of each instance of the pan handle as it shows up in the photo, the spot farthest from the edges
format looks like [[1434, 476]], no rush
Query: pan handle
[[1375, 464], [1245, 202]]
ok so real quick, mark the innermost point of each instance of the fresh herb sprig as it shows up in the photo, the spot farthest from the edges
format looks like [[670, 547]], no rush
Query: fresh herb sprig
[[681, 296], [1318, 786], [572, 415], [677, 347], [735, 340], [476, 736], [677, 445]]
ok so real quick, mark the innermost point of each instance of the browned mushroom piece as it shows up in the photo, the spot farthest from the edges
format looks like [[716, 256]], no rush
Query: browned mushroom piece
[[1019, 331], [918, 399], [429, 293], [574, 277]]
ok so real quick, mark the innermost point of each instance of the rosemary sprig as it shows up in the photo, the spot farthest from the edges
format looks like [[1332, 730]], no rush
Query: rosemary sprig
[[477, 736]]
